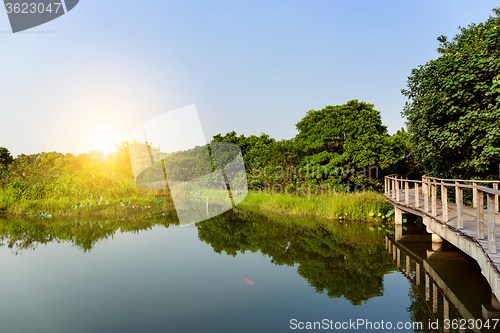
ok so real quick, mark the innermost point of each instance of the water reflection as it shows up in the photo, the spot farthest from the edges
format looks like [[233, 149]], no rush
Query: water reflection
[[325, 257], [446, 285], [339, 260], [350, 268], [21, 234]]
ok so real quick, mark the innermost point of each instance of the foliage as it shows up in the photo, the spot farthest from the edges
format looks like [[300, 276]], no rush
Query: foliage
[[346, 143], [56, 178], [368, 206], [343, 144], [339, 146], [5, 159], [453, 111]]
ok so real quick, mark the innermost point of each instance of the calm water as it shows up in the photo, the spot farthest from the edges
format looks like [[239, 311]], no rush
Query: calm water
[[240, 272]]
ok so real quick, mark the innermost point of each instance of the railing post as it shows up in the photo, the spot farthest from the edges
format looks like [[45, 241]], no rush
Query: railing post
[[398, 256], [459, 200], [434, 298], [427, 287], [407, 194], [442, 186], [492, 241], [444, 202], [393, 193], [417, 274], [408, 265], [397, 190], [479, 208], [495, 187], [417, 201], [446, 312], [474, 195], [426, 196], [434, 195]]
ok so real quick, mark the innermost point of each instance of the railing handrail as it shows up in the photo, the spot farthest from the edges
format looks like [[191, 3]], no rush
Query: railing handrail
[[462, 180], [479, 187]]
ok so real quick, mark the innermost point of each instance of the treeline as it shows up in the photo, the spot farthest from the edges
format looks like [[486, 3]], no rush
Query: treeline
[[344, 146], [56, 176], [337, 147]]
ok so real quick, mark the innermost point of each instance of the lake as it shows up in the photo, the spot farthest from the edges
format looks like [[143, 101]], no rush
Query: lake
[[238, 272]]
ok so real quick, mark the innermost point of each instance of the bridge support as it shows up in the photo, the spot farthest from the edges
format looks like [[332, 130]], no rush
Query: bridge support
[[435, 237], [398, 215]]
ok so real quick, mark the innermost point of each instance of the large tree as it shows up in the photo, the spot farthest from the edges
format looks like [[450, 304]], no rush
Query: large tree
[[453, 107], [346, 137]]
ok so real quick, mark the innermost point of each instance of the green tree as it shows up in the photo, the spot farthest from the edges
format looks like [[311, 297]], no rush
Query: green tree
[[339, 139], [453, 107], [5, 159]]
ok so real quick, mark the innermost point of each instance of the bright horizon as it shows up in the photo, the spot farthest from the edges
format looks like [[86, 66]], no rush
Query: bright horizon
[[85, 80]]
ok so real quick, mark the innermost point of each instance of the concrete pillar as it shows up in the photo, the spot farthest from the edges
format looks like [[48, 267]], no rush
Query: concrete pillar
[[435, 238], [398, 232], [436, 246], [398, 215]]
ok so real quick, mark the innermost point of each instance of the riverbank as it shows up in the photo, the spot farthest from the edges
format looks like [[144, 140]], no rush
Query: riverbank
[[367, 206], [68, 207]]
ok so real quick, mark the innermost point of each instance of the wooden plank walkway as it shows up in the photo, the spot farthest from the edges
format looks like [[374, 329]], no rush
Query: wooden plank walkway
[[469, 215]]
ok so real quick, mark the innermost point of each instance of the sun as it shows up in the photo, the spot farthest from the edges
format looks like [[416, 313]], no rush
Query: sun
[[103, 138], [105, 145]]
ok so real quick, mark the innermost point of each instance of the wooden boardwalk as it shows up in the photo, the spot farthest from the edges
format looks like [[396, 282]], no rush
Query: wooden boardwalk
[[465, 234], [469, 215]]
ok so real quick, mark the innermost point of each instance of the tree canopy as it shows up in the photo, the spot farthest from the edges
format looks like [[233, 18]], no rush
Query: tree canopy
[[346, 136], [5, 159], [453, 107]]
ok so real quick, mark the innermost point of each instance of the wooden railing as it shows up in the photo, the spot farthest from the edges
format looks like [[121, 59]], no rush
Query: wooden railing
[[427, 187]]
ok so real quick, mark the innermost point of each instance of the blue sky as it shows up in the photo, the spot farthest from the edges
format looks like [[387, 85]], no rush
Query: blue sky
[[88, 78]]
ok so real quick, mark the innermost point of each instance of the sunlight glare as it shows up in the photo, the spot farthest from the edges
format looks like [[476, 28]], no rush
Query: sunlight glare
[[104, 138]]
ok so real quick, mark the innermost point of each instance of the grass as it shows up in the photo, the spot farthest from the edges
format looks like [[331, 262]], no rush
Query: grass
[[69, 206], [367, 206]]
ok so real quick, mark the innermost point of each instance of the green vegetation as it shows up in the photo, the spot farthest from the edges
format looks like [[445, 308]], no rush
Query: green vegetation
[[344, 137], [368, 206], [338, 145], [453, 112], [344, 147], [5, 160], [65, 184]]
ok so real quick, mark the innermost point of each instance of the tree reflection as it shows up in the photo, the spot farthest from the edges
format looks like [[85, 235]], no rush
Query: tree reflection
[[333, 259], [337, 259], [21, 234]]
